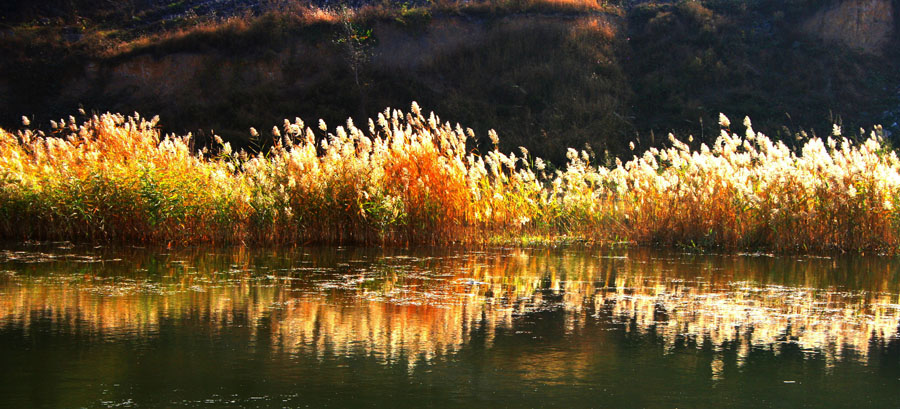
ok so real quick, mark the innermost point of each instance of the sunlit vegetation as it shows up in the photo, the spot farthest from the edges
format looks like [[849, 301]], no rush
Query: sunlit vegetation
[[411, 179]]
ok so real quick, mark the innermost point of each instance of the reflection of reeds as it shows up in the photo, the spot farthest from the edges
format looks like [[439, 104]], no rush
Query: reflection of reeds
[[386, 331], [410, 178], [406, 310], [748, 316], [132, 308]]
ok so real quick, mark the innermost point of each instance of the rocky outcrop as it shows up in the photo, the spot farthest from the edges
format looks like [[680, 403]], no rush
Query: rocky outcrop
[[865, 25]]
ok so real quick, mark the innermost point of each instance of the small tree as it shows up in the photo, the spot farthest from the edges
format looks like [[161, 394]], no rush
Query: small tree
[[357, 42]]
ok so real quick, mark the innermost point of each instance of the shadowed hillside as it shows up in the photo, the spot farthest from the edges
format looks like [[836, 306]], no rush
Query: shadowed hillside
[[545, 74]]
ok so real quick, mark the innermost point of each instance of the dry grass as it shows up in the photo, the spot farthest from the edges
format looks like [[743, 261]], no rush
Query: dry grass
[[408, 178], [295, 17], [538, 6], [111, 41]]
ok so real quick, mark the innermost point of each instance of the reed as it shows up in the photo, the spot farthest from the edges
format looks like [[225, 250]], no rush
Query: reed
[[408, 178]]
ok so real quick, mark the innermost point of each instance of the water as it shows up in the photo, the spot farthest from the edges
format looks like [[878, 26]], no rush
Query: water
[[348, 327]]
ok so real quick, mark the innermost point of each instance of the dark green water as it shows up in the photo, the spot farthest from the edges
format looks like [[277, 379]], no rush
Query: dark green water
[[344, 327]]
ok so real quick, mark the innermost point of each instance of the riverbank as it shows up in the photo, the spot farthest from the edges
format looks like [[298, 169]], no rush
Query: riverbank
[[409, 178]]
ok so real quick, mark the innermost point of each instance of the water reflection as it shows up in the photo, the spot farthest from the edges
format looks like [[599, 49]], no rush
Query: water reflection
[[412, 307], [744, 315]]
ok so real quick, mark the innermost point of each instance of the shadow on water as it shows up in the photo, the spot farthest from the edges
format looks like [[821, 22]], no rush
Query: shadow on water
[[131, 327]]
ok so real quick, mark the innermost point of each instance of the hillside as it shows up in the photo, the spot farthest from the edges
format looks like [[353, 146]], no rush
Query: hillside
[[545, 74]]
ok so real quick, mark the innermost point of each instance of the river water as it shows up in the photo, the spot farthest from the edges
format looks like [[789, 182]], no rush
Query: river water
[[359, 327]]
